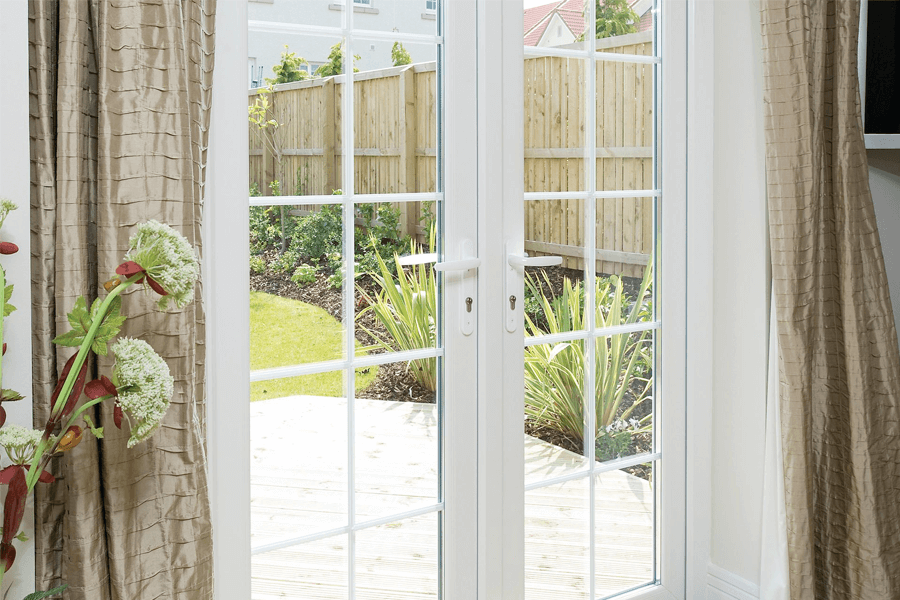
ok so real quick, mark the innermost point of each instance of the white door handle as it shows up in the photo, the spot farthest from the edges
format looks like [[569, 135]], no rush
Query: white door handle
[[523, 260], [516, 264], [458, 265]]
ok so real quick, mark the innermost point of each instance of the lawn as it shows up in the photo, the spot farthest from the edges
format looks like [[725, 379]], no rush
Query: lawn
[[289, 332]]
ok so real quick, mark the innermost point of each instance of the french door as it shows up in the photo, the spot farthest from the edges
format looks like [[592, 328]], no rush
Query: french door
[[466, 242]]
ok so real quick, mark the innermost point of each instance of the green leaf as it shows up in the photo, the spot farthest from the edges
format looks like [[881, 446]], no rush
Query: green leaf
[[97, 431], [47, 594], [7, 307], [22, 537], [10, 395], [80, 320]]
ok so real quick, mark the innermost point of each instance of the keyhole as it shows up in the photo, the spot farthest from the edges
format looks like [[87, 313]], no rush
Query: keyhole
[[469, 304], [512, 303]]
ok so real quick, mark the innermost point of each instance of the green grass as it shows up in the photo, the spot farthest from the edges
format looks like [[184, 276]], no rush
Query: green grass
[[289, 332]]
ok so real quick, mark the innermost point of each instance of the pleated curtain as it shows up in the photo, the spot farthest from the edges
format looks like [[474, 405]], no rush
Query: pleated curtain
[[837, 344], [120, 95]]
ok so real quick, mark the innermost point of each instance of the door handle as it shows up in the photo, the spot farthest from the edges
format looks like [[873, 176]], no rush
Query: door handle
[[464, 264], [516, 264]]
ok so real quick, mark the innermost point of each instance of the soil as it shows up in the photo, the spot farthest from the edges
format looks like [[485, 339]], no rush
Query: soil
[[394, 382]]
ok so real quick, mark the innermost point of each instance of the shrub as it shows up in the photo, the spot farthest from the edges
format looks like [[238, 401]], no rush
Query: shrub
[[554, 373], [303, 275], [257, 264], [406, 306]]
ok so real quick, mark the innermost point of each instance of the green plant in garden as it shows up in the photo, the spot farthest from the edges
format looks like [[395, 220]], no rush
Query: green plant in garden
[[399, 55], [406, 306], [288, 69], [613, 17], [555, 373], [304, 275], [257, 265]]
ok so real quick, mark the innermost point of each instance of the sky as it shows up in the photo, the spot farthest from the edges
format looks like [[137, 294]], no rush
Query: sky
[[530, 3]]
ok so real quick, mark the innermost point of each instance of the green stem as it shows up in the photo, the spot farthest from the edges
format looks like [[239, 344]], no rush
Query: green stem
[[88, 342], [2, 310]]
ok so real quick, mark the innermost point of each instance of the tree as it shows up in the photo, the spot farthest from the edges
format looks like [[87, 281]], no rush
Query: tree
[[335, 64], [399, 55], [288, 69], [614, 17]]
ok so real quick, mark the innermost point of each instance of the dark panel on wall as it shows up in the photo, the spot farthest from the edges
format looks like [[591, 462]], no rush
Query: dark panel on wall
[[883, 67]]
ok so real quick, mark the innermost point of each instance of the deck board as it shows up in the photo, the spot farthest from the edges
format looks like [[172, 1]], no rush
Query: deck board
[[299, 486]]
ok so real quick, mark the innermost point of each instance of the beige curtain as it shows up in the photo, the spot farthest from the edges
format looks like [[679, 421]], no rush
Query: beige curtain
[[840, 369], [120, 94]]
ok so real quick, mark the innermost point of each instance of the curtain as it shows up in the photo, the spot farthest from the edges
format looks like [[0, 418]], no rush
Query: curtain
[[839, 362], [119, 93]]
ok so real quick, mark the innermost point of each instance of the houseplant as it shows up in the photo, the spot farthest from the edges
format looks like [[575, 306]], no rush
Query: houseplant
[[140, 385]]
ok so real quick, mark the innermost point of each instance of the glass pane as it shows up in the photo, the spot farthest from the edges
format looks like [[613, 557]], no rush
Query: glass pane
[[624, 530], [417, 17], [554, 25], [554, 410], [624, 395], [554, 227], [396, 439], [396, 303], [395, 117], [298, 469], [295, 128], [295, 316], [624, 27], [557, 541], [311, 571], [398, 560], [554, 124], [624, 126], [625, 238]]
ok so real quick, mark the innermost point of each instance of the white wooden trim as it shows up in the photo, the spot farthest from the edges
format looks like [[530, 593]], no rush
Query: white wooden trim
[[698, 385], [226, 293], [15, 170], [729, 584]]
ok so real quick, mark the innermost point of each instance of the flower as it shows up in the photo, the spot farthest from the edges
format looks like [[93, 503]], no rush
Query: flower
[[20, 442], [144, 384], [6, 207], [166, 258]]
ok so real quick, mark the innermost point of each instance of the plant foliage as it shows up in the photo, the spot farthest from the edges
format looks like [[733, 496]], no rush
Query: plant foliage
[[288, 69], [335, 64], [399, 55], [613, 17], [555, 373]]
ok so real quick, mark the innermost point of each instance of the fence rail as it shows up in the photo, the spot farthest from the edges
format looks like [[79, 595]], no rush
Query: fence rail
[[395, 129]]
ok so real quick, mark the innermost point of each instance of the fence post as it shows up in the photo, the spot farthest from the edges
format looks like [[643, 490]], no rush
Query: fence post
[[328, 125], [409, 211]]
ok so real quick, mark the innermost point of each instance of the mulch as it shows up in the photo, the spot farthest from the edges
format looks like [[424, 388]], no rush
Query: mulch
[[394, 382]]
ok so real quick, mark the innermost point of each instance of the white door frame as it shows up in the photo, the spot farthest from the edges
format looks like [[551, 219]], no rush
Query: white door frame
[[499, 526]]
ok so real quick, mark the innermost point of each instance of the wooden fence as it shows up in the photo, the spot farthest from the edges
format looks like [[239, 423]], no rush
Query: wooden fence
[[395, 129]]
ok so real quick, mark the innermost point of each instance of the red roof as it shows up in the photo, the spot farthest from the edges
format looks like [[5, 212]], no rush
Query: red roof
[[572, 13]]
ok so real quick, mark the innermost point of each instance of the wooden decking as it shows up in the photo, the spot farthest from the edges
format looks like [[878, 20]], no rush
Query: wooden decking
[[299, 487]]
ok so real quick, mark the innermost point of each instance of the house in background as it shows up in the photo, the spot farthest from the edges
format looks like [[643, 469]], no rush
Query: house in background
[[403, 16], [562, 22]]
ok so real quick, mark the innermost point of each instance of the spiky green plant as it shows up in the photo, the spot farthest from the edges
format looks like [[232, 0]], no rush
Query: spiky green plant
[[555, 373], [406, 306]]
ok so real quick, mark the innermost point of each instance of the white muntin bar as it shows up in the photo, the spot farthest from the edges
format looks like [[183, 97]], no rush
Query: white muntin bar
[[596, 468], [626, 194], [368, 360], [538, 52], [335, 32], [321, 535]]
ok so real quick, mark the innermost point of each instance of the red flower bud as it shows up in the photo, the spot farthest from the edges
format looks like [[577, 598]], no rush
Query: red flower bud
[[8, 248], [70, 438]]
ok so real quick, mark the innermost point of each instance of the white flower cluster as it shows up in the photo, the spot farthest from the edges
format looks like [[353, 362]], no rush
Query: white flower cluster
[[6, 207], [145, 386], [619, 426], [20, 442], [168, 258]]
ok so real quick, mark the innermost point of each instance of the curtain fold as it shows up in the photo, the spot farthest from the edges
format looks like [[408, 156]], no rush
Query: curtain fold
[[840, 366], [119, 95]]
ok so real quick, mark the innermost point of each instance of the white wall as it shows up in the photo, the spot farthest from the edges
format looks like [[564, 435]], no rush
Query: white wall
[[740, 291], [884, 179], [14, 184]]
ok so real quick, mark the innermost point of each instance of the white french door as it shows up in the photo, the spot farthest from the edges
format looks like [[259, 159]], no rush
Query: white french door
[[513, 146]]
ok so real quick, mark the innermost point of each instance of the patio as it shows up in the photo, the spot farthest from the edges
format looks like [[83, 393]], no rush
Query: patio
[[299, 486]]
